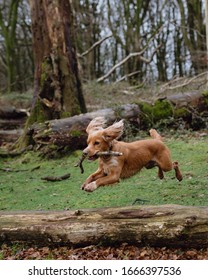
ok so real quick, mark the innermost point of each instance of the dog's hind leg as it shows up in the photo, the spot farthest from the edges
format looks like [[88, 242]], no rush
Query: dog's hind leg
[[168, 166], [160, 173], [152, 164], [177, 171]]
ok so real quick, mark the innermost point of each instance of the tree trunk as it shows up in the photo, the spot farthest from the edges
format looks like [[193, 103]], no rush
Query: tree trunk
[[8, 29], [206, 21], [58, 90], [167, 225]]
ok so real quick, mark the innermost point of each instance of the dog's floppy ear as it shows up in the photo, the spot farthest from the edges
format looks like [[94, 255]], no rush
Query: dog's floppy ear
[[96, 124], [114, 131]]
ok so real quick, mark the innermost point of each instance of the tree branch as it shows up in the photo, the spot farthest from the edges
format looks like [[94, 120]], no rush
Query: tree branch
[[127, 58], [94, 46], [127, 76], [185, 83]]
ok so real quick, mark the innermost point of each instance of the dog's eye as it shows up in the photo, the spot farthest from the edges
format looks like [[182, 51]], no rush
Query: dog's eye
[[96, 143]]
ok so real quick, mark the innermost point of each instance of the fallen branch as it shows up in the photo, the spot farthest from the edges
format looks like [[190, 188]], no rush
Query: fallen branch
[[127, 76], [55, 179], [94, 46], [147, 61], [183, 84], [99, 154], [7, 169], [119, 64], [127, 58]]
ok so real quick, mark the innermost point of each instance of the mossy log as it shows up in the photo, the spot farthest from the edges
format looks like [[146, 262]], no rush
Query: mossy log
[[70, 133], [185, 110], [166, 225]]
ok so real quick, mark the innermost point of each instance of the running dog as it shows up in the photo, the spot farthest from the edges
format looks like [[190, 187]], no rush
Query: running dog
[[134, 156]]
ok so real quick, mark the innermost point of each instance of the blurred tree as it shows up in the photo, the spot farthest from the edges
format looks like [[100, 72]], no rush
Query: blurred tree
[[89, 21], [57, 85], [16, 57], [8, 24], [126, 19], [193, 30], [58, 89]]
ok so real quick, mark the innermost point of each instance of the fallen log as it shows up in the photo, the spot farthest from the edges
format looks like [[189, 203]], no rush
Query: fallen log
[[10, 112], [70, 133], [166, 225], [63, 135], [11, 123]]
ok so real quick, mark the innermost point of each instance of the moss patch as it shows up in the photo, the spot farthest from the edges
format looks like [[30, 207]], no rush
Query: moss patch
[[152, 113], [181, 112]]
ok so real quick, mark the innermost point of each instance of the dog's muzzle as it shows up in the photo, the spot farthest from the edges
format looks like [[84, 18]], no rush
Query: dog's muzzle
[[89, 157]]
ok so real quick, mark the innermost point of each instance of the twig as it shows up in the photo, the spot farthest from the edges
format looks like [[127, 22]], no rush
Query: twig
[[99, 154], [139, 200], [35, 168], [79, 164], [7, 169], [109, 153], [55, 179]]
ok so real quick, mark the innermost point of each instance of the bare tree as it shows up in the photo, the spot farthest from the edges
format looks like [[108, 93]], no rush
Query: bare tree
[[8, 24], [57, 89], [206, 20]]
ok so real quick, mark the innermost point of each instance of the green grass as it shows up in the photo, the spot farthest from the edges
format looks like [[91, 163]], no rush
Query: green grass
[[24, 190]]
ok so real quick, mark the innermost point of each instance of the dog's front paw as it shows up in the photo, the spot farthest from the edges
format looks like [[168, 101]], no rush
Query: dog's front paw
[[83, 186], [90, 187]]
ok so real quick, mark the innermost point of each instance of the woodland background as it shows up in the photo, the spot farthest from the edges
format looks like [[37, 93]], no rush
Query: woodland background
[[117, 52], [176, 26]]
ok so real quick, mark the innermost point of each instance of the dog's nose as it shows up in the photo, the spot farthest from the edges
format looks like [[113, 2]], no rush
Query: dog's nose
[[85, 152]]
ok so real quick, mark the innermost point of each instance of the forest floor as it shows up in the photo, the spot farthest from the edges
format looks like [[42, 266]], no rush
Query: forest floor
[[122, 252], [21, 186]]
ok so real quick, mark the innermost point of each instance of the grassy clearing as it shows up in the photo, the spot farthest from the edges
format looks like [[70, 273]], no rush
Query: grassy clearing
[[24, 190]]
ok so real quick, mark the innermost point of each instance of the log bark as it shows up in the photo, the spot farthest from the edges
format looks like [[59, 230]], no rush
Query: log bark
[[166, 225], [71, 132]]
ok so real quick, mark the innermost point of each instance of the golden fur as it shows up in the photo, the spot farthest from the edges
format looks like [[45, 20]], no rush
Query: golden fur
[[135, 155]]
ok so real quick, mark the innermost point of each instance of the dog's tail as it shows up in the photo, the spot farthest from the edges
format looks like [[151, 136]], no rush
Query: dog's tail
[[155, 135]]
